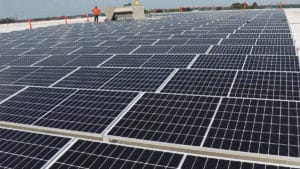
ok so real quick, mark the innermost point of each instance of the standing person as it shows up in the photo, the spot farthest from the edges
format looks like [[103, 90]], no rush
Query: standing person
[[96, 12]]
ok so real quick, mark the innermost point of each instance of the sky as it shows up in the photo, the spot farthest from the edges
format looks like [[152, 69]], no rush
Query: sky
[[25, 9]]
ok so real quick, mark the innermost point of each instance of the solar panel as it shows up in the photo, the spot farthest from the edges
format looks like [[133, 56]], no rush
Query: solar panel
[[141, 42], [114, 43], [88, 111], [88, 60], [44, 76], [88, 78], [271, 85], [202, 42], [244, 36], [56, 60], [238, 42], [21, 149], [4, 60], [153, 49], [275, 36], [169, 61], [256, 126], [278, 42], [13, 74], [219, 62], [127, 60], [231, 49], [275, 63], [31, 104], [138, 79], [96, 155], [26, 60], [274, 50], [6, 91], [189, 49], [177, 119], [171, 42], [194, 162], [201, 82], [119, 49], [90, 50]]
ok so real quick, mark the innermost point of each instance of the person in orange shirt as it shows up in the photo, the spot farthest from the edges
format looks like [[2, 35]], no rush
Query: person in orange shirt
[[96, 12]]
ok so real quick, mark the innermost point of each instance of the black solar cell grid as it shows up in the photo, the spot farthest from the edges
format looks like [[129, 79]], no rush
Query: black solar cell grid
[[6, 91], [56, 60], [193, 162], [238, 42], [138, 79], [257, 126], [119, 49], [189, 49], [218, 35], [202, 41], [270, 85], [244, 36], [158, 36], [141, 42], [276, 63], [26, 60], [13, 74], [89, 78], [87, 111], [248, 31], [114, 43], [275, 36], [96, 155], [21, 149], [171, 42], [183, 36], [274, 50], [201, 82], [279, 42], [153, 49], [31, 104], [90, 50], [177, 119], [127, 61], [61, 51], [231, 49], [88, 60], [220, 62], [169, 61], [44, 76], [282, 31]]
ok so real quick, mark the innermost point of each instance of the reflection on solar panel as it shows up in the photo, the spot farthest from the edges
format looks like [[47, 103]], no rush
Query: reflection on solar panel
[[88, 111], [193, 162], [89, 78], [220, 62], [27, 150], [31, 104], [270, 85], [257, 126], [201, 82], [138, 79], [93, 155]]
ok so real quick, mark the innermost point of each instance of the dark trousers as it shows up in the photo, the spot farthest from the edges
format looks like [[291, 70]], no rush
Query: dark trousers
[[96, 18]]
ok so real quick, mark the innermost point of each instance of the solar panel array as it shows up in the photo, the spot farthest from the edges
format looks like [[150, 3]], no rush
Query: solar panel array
[[212, 81]]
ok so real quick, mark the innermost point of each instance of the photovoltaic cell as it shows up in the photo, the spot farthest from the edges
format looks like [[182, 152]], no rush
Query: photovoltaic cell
[[201, 82], [119, 49], [21, 149], [90, 50], [31, 104], [256, 126], [96, 155], [6, 91], [268, 85], [26, 60], [231, 49], [220, 62], [88, 60], [138, 79], [88, 78], [274, 50], [153, 49], [177, 119], [189, 49], [87, 111], [56, 60]]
